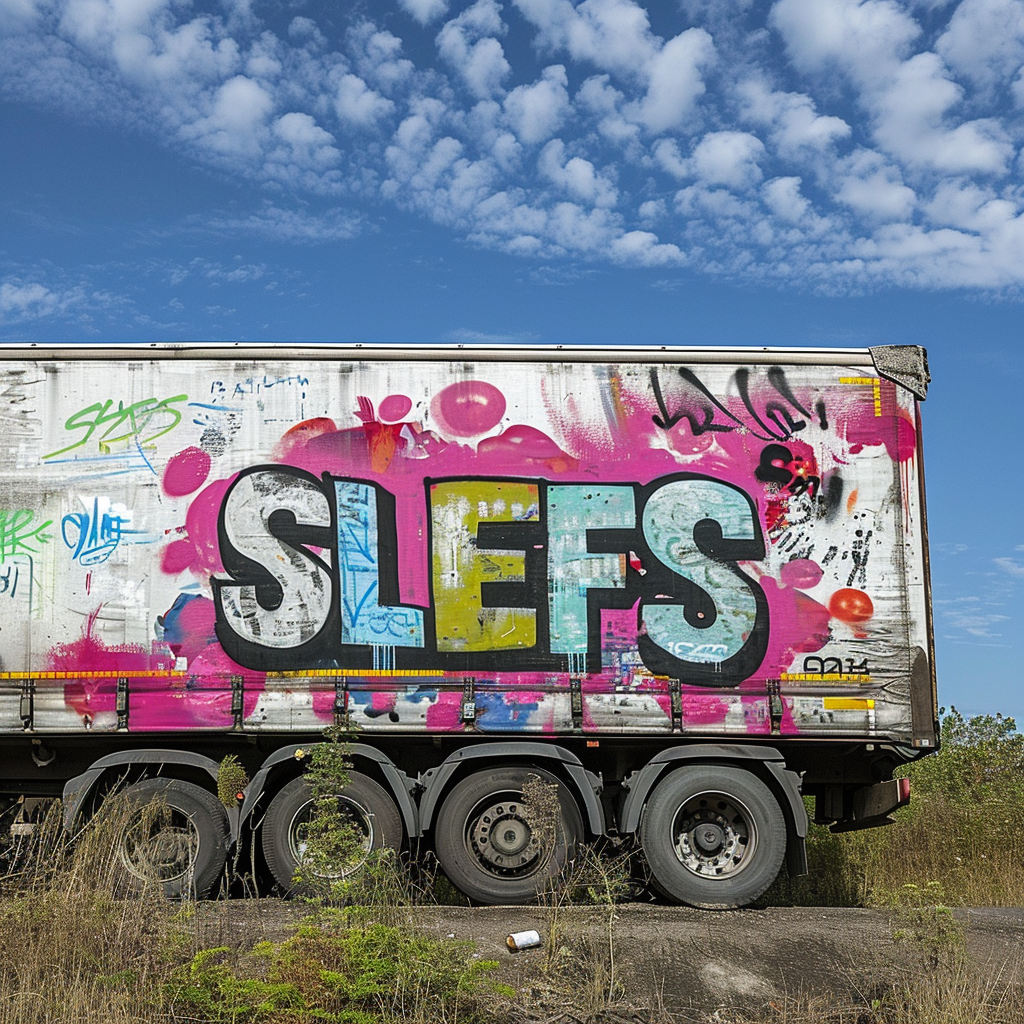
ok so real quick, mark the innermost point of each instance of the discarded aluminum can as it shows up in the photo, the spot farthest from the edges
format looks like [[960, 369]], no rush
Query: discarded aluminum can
[[523, 940]]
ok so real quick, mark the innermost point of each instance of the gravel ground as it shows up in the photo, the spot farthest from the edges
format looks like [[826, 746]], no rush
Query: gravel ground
[[675, 958]]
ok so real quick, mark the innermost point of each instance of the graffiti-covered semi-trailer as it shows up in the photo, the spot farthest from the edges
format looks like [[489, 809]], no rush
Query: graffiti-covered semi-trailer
[[687, 587]]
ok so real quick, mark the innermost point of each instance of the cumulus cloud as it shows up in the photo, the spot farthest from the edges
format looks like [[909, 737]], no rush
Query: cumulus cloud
[[872, 187], [832, 143], [575, 176], [984, 41], [793, 122], [424, 10], [236, 123], [782, 195], [728, 158], [911, 122], [468, 44], [357, 105], [537, 110], [675, 81]]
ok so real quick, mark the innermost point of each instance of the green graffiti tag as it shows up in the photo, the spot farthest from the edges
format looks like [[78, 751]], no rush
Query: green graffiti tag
[[19, 534], [146, 420]]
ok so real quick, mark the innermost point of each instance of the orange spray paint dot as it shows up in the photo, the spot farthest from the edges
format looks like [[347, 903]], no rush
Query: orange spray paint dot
[[851, 605]]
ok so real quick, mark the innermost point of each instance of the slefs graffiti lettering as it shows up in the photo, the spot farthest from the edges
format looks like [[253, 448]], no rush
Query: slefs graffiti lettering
[[521, 571]]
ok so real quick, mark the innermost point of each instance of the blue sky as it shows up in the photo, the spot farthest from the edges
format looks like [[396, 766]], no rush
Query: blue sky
[[804, 172]]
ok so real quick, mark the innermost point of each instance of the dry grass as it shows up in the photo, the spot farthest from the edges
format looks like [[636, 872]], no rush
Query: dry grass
[[69, 951]]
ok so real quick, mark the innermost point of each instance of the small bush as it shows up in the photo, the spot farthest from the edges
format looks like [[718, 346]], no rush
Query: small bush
[[345, 975]]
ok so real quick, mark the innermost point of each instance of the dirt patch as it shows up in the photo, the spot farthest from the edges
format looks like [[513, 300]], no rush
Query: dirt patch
[[676, 959]]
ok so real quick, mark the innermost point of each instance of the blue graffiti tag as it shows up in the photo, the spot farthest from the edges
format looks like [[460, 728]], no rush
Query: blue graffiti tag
[[94, 534]]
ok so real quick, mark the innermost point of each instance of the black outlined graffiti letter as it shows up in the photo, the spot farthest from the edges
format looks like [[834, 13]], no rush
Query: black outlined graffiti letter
[[701, 619], [280, 594]]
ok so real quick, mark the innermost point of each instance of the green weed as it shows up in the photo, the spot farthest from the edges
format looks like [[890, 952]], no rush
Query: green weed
[[344, 975]]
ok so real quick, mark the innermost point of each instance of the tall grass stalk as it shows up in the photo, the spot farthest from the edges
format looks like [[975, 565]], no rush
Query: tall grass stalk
[[69, 950]]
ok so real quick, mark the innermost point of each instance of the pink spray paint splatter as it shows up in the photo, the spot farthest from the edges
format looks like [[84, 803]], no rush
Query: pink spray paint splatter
[[186, 472]]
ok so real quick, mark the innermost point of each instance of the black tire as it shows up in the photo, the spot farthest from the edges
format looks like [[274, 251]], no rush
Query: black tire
[[714, 837], [521, 870], [373, 812], [176, 836]]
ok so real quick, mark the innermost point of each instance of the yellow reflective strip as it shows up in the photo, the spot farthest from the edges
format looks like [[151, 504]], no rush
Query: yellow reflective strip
[[847, 704], [875, 384], [832, 677]]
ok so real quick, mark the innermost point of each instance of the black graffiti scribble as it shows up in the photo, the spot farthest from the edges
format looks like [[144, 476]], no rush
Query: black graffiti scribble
[[700, 415], [778, 465], [779, 419], [859, 553], [817, 666]]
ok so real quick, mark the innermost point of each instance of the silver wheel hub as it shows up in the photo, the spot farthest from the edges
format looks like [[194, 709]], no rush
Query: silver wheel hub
[[503, 839], [713, 835]]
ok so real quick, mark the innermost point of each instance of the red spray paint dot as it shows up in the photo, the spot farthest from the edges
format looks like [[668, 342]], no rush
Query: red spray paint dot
[[851, 605], [186, 472]]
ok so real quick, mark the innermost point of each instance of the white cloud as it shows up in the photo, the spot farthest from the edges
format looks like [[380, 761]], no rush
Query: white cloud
[[575, 176], [984, 42], [146, 49], [614, 35], [536, 111], [642, 248], [305, 29], [675, 80], [466, 335], [911, 117], [468, 44], [911, 98], [834, 143], [292, 225], [728, 158], [873, 187], [31, 300], [359, 106], [782, 195], [867, 39], [718, 204], [378, 58], [795, 124], [961, 204], [424, 10], [17, 15], [237, 122], [1011, 566], [667, 156], [975, 624], [302, 154], [600, 100]]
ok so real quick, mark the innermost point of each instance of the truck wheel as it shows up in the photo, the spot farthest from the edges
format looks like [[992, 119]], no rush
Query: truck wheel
[[364, 803], [487, 845], [176, 837], [713, 837]]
